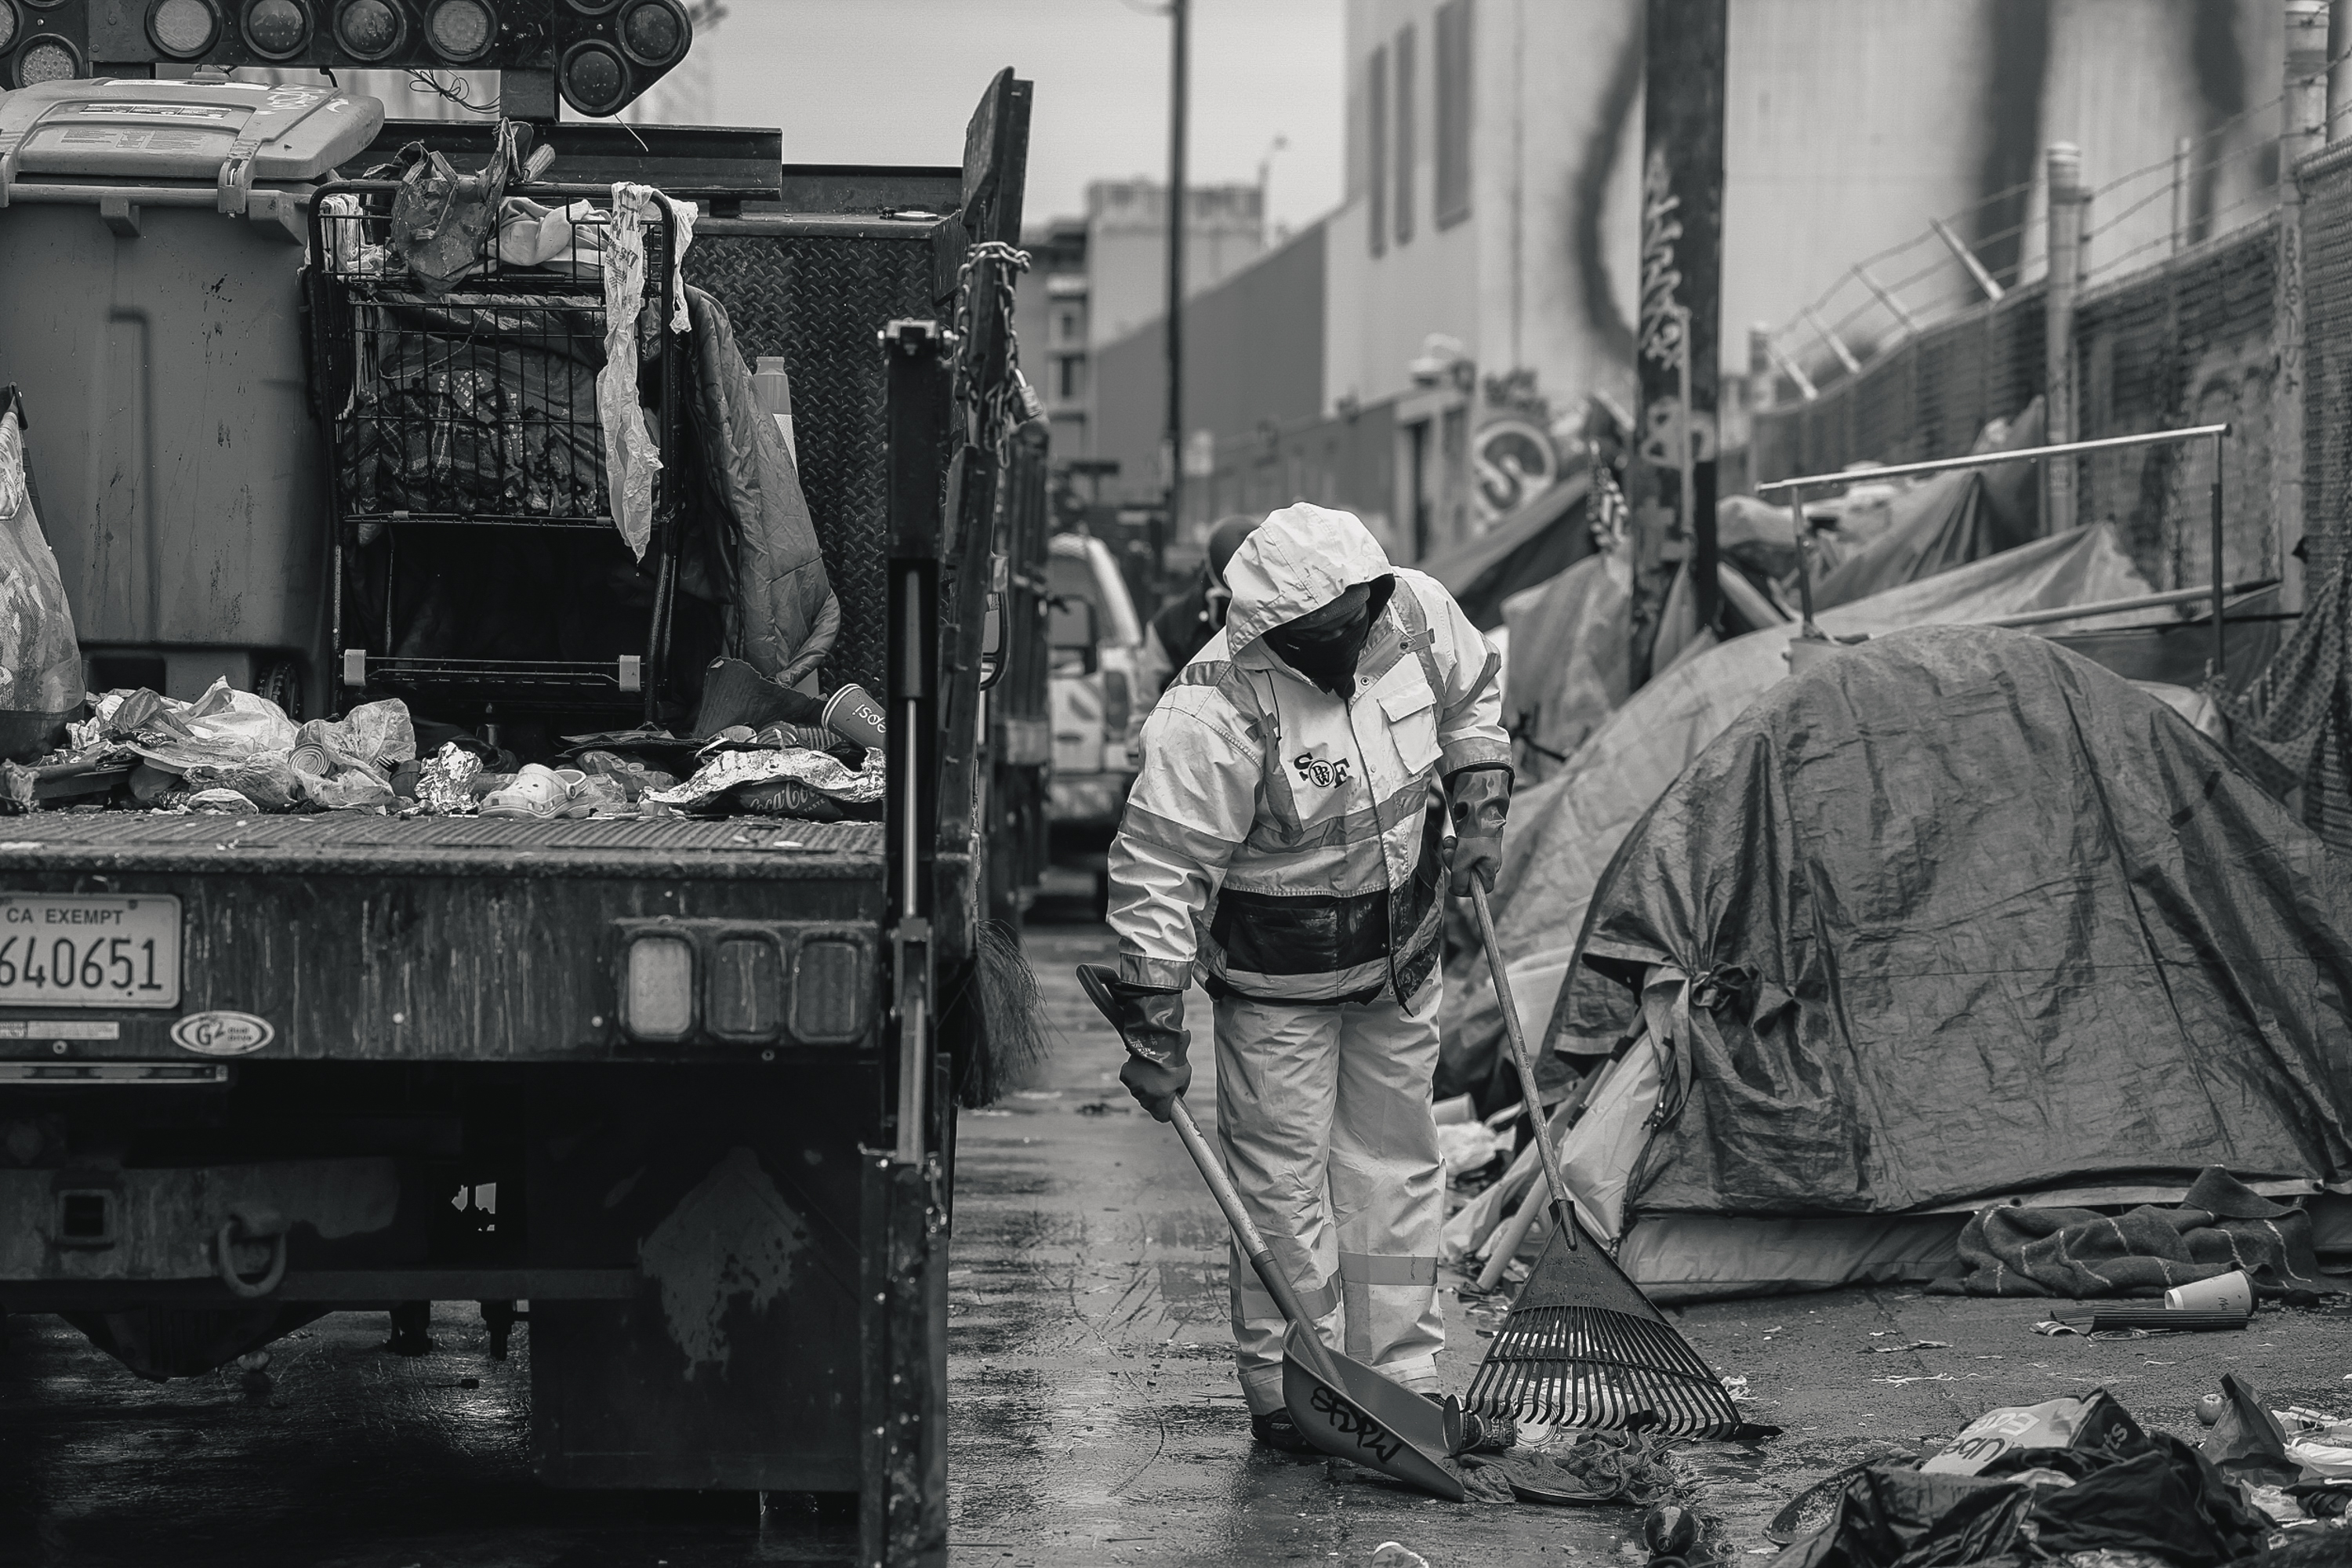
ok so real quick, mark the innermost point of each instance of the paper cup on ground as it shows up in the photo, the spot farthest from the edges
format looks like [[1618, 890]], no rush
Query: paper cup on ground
[[2231, 1292]]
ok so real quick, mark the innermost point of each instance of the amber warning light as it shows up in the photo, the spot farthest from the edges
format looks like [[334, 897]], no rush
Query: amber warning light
[[599, 55]]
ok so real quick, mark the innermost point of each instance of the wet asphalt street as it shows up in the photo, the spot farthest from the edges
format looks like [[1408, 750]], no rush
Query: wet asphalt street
[[1095, 1417]]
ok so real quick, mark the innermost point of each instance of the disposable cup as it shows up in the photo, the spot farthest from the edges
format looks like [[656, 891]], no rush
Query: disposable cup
[[855, 716], [2231, 1292]]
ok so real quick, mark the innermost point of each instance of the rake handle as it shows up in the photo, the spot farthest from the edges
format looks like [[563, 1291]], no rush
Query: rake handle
[[1561, 1212], [1246, 1231]]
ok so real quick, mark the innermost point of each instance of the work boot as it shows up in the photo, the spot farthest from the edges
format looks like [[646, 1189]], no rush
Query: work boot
[[1278, 1430]]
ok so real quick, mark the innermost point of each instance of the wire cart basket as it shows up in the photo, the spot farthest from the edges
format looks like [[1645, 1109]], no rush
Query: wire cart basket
[[478, 563]]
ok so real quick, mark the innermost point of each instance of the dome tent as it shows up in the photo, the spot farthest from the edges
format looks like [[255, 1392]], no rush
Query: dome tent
[[1954, 917]]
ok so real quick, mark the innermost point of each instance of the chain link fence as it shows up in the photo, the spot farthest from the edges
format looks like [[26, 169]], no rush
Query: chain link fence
[[2184, 341], [1926, 397], [2327, 359]]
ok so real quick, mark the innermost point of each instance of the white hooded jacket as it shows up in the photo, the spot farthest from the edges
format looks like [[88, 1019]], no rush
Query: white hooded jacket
[[1278, 836]]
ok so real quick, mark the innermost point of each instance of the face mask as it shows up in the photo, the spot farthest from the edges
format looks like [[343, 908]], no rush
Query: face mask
[[1326, 654]]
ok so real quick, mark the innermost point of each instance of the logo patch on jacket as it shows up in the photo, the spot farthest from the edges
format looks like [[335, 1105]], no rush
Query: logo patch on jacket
[[1314, 770]]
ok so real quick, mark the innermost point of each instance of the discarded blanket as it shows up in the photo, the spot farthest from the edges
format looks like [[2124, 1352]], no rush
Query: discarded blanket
[[2222, 1224]]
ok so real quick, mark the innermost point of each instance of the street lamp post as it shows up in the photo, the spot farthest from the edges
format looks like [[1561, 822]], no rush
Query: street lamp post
[[1177, 89]]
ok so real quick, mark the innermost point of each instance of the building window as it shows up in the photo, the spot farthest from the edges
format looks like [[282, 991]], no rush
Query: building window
[[1067, 324], [1453, 193], [1376, 147], [1070, 377], [1406, 134]]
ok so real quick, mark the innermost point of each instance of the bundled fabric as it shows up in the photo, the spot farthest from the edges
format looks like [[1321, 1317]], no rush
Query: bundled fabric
[[1958, 914], [487, 407], [2221, 1225], [751, 546]]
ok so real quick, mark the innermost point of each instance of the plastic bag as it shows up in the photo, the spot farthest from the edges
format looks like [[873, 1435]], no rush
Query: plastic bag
[[375, 736], [223, 727], [40, 658], [442, 220]]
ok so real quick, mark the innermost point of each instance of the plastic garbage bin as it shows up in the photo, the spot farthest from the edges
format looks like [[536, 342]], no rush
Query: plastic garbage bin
[[151, 243]]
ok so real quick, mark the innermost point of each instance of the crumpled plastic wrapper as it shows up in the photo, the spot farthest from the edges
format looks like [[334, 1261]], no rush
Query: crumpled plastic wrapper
[[813, 770], [267, 780], [444, 785], [223, 729], [225, 801]]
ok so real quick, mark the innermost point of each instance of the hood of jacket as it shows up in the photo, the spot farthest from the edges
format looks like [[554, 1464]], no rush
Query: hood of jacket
[[1299, 560]]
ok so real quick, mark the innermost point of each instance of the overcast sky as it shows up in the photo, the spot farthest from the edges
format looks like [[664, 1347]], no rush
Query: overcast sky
[[892, 81]]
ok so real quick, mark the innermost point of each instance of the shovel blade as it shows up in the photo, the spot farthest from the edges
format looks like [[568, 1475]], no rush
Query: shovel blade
[[1355, 1413]]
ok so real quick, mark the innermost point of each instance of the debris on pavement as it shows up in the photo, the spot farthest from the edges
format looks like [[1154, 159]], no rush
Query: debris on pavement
[[2079, 1481], [1396, 1554]]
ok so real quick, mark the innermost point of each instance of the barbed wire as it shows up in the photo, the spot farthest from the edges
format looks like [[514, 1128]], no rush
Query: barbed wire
[[1905, 317]]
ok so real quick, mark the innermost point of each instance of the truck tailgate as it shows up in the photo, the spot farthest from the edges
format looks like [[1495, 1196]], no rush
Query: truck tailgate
[[468, 938]]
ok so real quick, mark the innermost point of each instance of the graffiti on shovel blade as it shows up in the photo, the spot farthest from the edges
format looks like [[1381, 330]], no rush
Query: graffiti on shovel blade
[[1347, 1420]]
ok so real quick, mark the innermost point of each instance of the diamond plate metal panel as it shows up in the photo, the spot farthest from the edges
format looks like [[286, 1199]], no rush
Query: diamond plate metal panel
[[819, 302]]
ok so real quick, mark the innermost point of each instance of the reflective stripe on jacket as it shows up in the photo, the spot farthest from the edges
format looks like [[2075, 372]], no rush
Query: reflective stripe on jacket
[[1276, 836]]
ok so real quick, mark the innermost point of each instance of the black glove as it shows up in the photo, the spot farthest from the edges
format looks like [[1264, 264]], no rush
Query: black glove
[[1479, 798], [1151, 1019]]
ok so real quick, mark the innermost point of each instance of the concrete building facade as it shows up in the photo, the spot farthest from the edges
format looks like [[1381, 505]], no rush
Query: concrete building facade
[[1480, 275]]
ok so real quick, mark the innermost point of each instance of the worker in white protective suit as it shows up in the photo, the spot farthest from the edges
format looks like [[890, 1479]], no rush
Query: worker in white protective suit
[[1278, 845]]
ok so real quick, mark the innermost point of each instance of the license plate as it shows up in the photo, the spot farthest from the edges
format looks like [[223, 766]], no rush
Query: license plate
[[78, 950]]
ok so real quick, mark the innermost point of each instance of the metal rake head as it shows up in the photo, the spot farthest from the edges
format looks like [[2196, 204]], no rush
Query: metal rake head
[[1583, 1347]]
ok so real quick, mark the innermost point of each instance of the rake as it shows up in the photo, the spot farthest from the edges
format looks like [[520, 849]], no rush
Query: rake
[[1583, 1346]]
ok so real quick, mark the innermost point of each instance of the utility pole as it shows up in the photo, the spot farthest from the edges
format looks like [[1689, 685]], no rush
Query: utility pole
[[1178, 89], [1678, 343]]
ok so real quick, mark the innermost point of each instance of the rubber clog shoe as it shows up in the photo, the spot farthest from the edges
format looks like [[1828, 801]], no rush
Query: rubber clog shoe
[[536, 792]]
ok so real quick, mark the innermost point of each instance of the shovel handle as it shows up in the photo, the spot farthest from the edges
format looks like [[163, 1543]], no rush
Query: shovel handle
[[1561, 1209], [1245, 1230]]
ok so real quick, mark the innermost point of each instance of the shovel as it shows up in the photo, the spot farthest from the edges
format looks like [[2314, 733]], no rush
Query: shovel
[[1343, 1406]]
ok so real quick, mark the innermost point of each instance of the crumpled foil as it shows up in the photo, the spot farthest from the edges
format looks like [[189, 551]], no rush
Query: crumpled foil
[[816, 770], [445, 781]]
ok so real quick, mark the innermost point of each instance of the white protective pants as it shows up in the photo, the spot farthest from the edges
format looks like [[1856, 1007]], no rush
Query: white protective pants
[[1326, 1116]]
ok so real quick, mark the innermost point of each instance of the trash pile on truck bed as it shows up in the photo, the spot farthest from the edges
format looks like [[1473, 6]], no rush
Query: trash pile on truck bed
[[234, 753]]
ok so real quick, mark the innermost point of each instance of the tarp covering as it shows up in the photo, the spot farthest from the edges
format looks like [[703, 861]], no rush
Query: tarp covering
[[1563, 831], [1948, 520], [1537, 543], [1570, 664], [1959, 913]]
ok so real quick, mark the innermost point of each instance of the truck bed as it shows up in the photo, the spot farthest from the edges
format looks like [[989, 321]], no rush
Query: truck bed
[[756, 846], [455, 939]]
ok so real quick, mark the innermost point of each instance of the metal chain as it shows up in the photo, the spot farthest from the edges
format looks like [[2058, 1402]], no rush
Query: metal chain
[[993, 412]]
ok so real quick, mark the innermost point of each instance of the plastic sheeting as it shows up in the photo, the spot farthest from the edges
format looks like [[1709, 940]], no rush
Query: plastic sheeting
[[1571, 663], [1532, 545], [1948, 520], [1961, 914], [1564, 830]]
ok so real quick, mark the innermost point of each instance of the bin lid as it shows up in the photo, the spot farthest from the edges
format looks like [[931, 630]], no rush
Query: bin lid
[[159, 132]]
